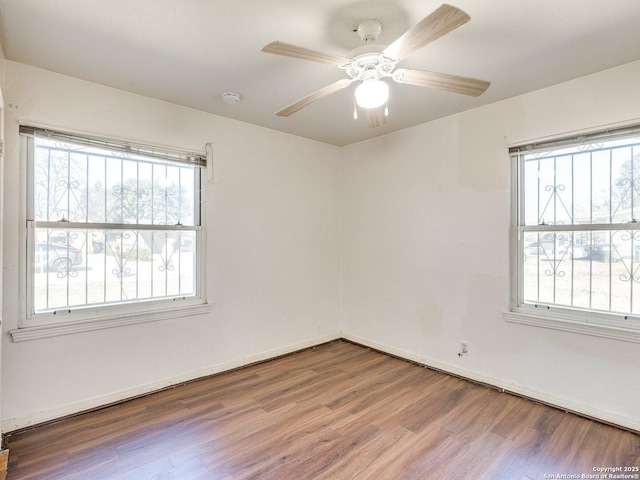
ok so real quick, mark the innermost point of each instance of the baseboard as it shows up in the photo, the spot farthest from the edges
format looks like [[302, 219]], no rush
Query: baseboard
[[38, 418], [21, 423], [563, 404]]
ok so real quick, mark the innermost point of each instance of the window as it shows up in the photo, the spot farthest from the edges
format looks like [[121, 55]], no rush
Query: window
[[577, 233], [113, 231]]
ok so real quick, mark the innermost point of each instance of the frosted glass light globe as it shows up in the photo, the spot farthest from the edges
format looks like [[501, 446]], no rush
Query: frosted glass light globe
[[372, 93]]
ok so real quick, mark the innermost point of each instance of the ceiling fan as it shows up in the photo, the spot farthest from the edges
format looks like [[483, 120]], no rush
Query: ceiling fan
[[371, 63]]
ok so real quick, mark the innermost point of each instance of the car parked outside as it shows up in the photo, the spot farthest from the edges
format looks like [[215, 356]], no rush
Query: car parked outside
[[596, 252], [56, 257], [555, 250]]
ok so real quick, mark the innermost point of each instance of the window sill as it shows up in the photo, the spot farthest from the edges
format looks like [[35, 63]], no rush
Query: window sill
[[557, 322], [67, 328]]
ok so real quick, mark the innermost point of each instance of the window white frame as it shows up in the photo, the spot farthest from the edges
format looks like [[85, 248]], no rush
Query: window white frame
[[33, 325], [617, 326]]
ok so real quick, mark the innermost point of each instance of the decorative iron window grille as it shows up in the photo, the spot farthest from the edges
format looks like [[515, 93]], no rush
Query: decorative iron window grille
[[109, 223], [577, 233]]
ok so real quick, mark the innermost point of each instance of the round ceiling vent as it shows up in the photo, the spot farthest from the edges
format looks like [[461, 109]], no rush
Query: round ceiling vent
[[231, 98]]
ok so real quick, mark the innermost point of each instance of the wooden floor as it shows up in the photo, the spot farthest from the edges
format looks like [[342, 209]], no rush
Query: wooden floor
[[338, 411]]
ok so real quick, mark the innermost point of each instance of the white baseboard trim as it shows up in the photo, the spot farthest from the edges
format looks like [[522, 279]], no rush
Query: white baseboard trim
[[11, 424], [561, 403], [19, 423]]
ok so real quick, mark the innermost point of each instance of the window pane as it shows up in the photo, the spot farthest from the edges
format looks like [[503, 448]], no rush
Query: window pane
[[76, 267], [596, 270], [86, 184], [597, 183]]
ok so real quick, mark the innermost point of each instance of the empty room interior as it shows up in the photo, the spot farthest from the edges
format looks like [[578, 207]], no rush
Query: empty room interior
[[335, 240]]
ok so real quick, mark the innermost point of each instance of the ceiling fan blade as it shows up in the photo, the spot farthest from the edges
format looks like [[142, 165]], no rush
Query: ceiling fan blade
[[442, 21], [288, 50], [442, 81], [376, 116], [312, 97]]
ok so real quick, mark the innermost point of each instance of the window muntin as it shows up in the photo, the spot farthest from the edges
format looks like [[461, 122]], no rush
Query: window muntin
[[578, 236], [106, 227]]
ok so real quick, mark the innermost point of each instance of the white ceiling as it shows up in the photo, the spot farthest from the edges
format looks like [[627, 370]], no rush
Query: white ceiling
[[189, 52]]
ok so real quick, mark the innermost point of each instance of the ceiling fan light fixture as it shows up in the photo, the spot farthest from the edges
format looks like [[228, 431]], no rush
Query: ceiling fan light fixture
[[371, 63], [372, 93]]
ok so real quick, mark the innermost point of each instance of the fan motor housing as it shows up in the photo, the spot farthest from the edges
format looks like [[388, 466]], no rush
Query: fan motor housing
[[370, 65]]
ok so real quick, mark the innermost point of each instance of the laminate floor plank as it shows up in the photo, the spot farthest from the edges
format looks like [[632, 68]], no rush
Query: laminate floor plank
[[475, 414], [330, 458], [407, 451], [282, 460], [350, 466], [338, 411]]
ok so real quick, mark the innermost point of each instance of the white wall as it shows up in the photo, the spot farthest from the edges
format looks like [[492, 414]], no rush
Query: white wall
[[272, 263], [1, 57], [425, 249]]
